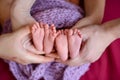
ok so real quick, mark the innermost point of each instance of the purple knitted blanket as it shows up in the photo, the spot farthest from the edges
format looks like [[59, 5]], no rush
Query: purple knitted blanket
[[64, 15]]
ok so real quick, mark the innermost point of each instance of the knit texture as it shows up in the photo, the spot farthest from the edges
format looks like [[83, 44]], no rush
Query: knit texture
[[64, 15]]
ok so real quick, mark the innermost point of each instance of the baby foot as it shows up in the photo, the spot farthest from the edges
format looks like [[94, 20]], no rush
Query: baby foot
[[62, 45], [74, 42], [50, 35], [38, 36]]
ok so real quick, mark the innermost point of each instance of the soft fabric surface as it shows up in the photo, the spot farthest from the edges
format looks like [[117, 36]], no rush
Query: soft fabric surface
[[63, 15]]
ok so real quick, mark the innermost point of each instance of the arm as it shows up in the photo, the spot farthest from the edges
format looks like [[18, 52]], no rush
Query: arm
[[17, 10], [96, 39], [113, 27], [94, 11], [5, 10], [20, 13]]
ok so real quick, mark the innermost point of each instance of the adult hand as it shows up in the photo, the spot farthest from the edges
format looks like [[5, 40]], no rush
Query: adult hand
[[95, 40], [14, 46]]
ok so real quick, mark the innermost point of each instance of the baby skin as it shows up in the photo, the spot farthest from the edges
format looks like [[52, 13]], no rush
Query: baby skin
[[49, 38], [74, 42], [68, 41], [38, 36], [62, 45], [45, 37]]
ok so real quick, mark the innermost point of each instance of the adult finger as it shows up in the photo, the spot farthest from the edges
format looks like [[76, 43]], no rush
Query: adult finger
[[25, 39], [27, 44], [34, 58], [73, 62]]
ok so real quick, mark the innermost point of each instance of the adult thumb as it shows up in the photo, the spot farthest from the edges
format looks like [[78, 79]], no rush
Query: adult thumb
[[23, 31]]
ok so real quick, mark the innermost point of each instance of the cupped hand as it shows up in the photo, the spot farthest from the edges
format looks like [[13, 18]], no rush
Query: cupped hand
[[95, 40], [17, 47]]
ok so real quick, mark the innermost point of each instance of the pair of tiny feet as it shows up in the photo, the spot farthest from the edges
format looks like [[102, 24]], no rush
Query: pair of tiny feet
[[67, 42]]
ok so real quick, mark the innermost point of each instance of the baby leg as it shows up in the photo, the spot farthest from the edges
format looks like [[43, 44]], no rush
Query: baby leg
[[50, 35], [74, 42], [38, 36], [62, 45]]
